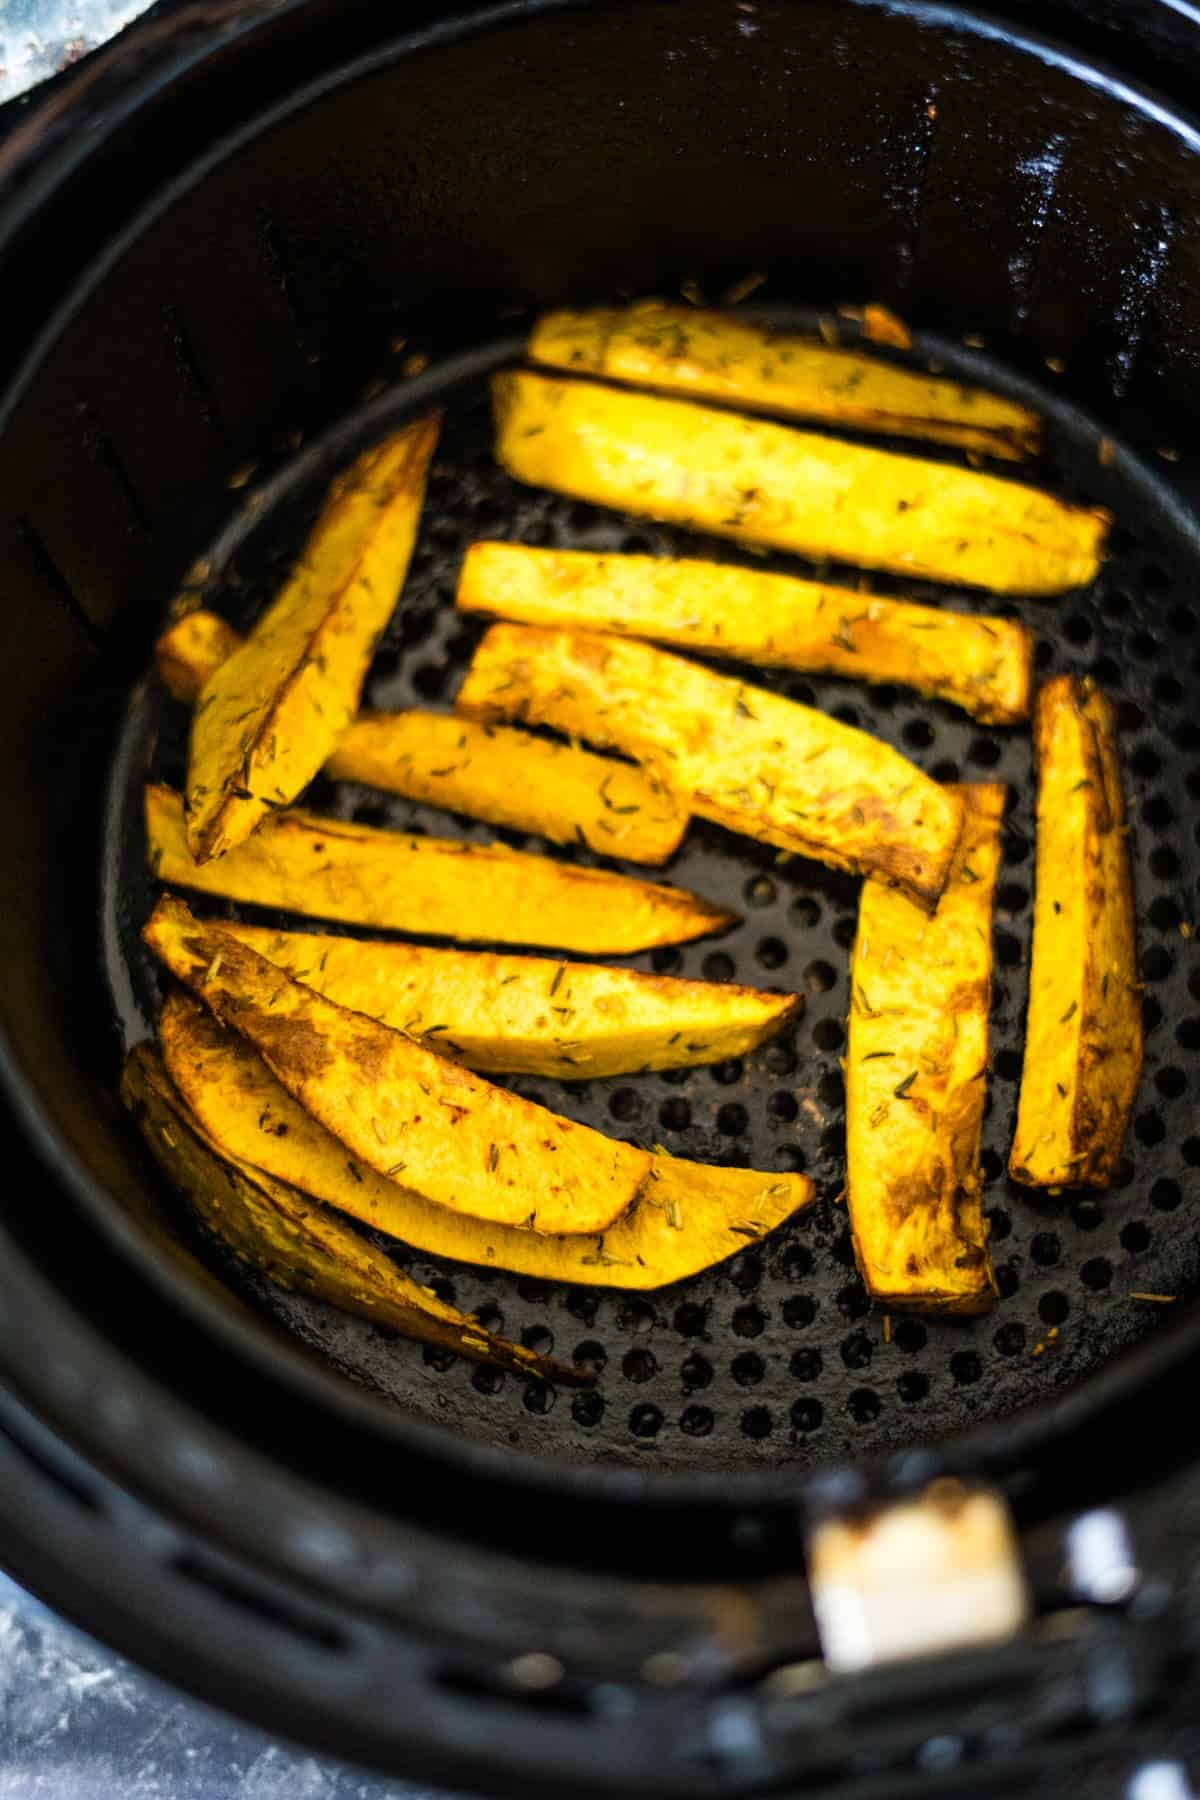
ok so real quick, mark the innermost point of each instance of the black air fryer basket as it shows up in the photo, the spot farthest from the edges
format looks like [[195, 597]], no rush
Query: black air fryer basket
[[223, 243]]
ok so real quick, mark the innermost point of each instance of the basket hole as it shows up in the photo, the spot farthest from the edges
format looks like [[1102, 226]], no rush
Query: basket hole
[[1157, 963], [780, 1058], [696, 1373], [853, 1301], [1053, 1307], [1165, 1195], [718, 965], [806, 1365], [625, 1104], [909, 1335], [828, 1034], [760, 891], [674, 1115], [1096, 1273], [771, 953], [645, 1421], [726, 1073], [1010, 1339], [748, 1369], [919, 734], [807, 1414], [591, 1355], [696, 1421], [1000, 1225], [539, 1398], [732, 1120], [666, 960], [984, 753], [487, 1381], [756, 1423], [857, 1350], [782, 1107], [864, 1405], [1078, 629], [820, 977], [805, 912], [1045, 1249], [587, 1409], [1007, 1065], [1135, 1237], [799, 1310], [1149, 1129], [749, 1322], [912, 1387], [795, 1264]]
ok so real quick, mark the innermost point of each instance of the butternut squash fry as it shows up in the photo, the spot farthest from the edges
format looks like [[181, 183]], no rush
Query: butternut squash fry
[[689, 1217], [916, 1072], [331, 869], [716, 356], [268, 717], [764, 483], [1083, 1036], [981, 664], [527, 1014], [502, 775], [757, 763], [283, 1233], [395, 1105]]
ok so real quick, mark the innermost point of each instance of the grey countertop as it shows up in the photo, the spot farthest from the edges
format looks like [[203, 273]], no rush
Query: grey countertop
[[78, 1722]]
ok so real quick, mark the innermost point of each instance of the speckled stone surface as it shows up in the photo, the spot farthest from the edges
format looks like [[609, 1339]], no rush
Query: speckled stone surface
[[78, 1722]]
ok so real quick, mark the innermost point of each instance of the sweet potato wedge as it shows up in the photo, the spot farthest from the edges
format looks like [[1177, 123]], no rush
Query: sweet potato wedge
[[506, 1015], [397, 1106], [271, 713], [281, 1232], [504, 776], [916, 1073], [716, 356], [770, 484], [331, 869], [749, 759], [689, 1216], [1083, 1034], [981, 664]]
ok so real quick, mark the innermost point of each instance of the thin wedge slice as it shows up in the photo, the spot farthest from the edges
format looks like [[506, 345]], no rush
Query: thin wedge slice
[[770, 484], [984, 665], [437, 887], [269, 716], [916, 1075], [749, 759], [1083, 1036], [281, 1232], [504, 776], [506, 1015], [689, 1217], [394, 1104], [716, 356]]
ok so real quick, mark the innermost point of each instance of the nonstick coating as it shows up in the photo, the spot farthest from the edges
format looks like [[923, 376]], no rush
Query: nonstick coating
[[778, 1355]]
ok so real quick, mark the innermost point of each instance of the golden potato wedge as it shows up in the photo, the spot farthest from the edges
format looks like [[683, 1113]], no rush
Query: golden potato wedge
[[916, 1074], [689, 1216], [281, 1232], [191, 650], [332, 869], [271, 713], [396, 1105], [764, 483], [504, 1015], [504, 776], [1083, 1034], [983, 665], [716, 356], [749, 759]]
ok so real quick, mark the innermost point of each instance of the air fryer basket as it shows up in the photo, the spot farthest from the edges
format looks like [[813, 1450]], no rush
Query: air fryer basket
[[198, 337]]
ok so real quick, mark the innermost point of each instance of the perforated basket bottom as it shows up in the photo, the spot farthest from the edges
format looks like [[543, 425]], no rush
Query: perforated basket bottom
[[778, 1354]]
